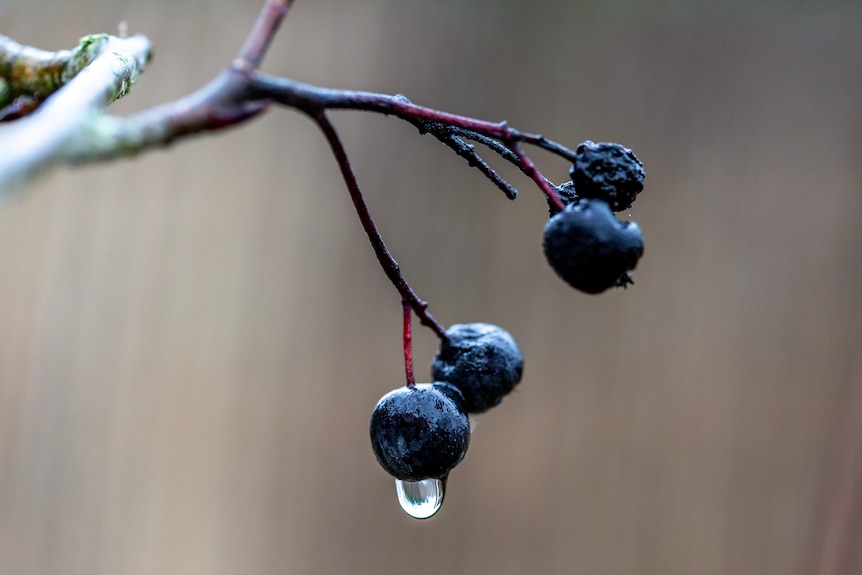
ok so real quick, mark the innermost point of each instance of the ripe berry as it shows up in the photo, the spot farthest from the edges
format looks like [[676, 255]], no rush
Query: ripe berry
[[590, 249], [420, 432], [481, 360], [607, 171]]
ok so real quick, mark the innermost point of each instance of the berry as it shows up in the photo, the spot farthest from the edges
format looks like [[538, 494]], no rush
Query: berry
[[590, 249], [481, 360], [607, 171], [452, 393], [419, 432]]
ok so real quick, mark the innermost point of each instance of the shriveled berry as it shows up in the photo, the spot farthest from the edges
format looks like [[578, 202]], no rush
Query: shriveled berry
[[590, 249], [480, 359], [420, 432], [607, 171]]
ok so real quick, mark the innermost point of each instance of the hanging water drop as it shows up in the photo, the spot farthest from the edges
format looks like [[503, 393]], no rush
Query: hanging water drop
[[420, 499]]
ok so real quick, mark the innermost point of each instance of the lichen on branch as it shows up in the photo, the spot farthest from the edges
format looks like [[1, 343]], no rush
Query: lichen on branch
[[39, 73], [74, 84]]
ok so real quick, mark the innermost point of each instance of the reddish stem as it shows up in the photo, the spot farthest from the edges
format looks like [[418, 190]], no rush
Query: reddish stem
[[531, 170], [387, 262], [315, 100], [408, 344]]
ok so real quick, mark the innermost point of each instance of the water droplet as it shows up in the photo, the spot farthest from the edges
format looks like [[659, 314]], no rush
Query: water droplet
[[420, 499]]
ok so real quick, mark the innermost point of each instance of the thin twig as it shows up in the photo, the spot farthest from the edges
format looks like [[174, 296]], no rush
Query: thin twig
[[531, 170], [474, 160], [493, 145], [268, 21], [308, 97], [384, 256], [313, 99], [453, 138]]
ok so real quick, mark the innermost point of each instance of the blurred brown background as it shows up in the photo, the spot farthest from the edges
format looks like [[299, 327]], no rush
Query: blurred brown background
[[191, 342]]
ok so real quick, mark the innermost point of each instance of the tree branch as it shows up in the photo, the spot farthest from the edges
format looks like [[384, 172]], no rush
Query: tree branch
[[252, 52], [218, 105], [67, 129], [35, 142], [313, 99]]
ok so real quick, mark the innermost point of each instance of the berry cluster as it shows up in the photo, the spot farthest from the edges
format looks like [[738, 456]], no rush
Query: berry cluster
[[420, 432], [585, 243]]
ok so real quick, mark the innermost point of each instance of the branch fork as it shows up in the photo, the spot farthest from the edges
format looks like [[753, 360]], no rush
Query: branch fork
[[55, 104]]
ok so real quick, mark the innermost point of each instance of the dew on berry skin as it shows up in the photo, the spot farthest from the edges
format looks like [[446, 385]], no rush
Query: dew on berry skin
[[420, 499]]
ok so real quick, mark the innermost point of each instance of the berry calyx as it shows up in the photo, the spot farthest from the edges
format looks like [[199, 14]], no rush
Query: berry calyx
[[567, 193], [607, 171], [590, 249], [481, 360], [419, 432]]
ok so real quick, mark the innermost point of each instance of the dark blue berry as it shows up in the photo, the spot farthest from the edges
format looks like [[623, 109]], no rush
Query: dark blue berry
[[607, 171], [420, 432], [480, 359], [452, 393], [590, 249]]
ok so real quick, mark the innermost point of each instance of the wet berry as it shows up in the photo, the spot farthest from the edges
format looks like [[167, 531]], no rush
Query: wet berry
[[590, 249], [607, 171], [420, 432], [480, 359]]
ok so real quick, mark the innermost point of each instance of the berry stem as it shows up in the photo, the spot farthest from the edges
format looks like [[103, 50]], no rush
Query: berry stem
[[530, 169], [314, 100], [408, 344], [387, 262]]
